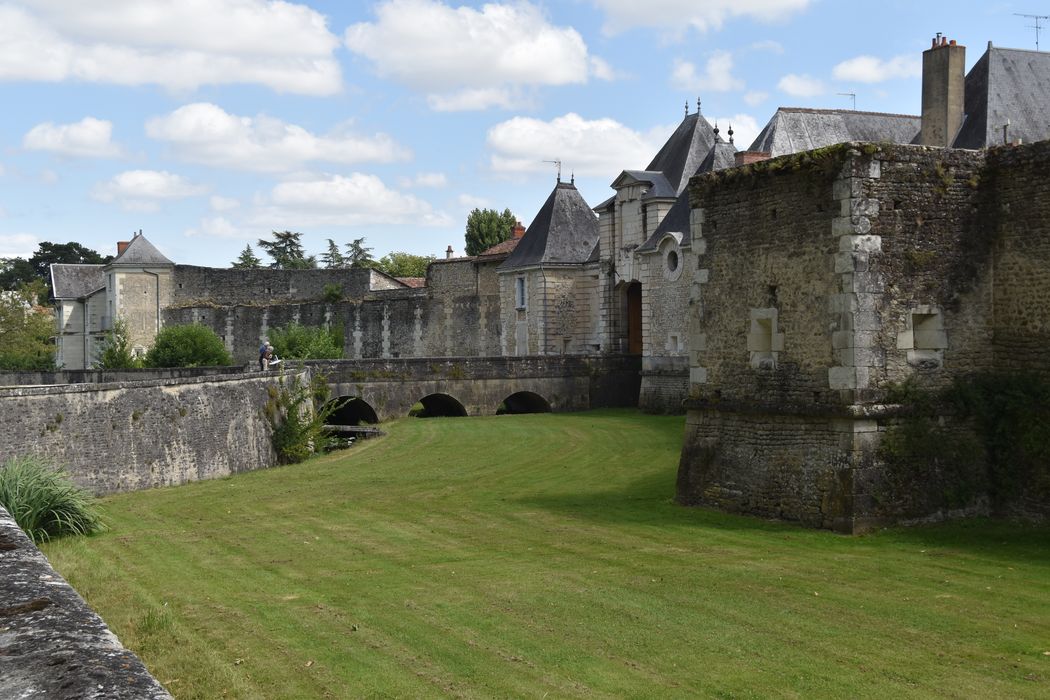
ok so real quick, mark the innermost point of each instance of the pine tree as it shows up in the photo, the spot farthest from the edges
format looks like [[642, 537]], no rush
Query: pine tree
[[247, 260], [332, 258], [357, 255], [287, 252]]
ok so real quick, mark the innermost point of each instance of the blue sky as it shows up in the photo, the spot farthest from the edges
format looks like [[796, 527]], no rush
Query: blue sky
[[209, 123]]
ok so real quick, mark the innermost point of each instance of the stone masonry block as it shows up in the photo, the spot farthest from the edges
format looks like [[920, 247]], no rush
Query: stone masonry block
[[698, 375], [842, 378], [865, 244]]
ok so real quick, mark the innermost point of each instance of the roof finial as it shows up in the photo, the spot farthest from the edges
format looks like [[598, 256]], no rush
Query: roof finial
[[730, 132], [716, 128], [687, 108], [698, 104], [572, 177]]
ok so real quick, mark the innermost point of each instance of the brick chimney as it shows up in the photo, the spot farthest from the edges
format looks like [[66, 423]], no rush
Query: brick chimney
[[518, 231], [943, 81], [122, 246]]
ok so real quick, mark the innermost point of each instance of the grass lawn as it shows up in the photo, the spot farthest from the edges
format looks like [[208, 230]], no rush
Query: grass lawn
[[542, 556]]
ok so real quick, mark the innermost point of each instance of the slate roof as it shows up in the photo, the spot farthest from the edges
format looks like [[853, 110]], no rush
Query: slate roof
[[1006, 84], [564, 231], [796, 129], [74, 281], [141, 252], [682, 154], [722, 155]]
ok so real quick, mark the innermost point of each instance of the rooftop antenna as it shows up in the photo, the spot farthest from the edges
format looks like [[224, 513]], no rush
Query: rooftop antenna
[[852, 95], [1035, 26], [557, 163]]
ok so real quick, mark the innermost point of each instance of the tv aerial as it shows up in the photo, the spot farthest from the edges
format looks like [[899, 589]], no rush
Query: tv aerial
[[1035, 26]]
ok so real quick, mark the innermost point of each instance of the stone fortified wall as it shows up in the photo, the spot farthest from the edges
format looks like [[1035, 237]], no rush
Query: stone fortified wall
[[832, 276], [54, 645], [124, 436], [456, 315]]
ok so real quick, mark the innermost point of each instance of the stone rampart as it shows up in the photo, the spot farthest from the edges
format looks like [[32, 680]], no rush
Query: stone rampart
[[103, 376], [125, 436], [52, 645]]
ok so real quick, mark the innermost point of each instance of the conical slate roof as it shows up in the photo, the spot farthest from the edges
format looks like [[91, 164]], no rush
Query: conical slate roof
[[722, 155], [141, 252], [563, 232], [683, 153]]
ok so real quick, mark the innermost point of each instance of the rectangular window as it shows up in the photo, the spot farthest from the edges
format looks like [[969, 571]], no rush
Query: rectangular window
[[519, 292]]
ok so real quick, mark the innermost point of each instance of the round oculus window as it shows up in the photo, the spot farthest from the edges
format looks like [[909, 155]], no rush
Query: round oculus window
[[671, 260]]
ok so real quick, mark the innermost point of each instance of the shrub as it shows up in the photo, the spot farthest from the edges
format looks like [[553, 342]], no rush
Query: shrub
[[297, 414], [298, 342], [192, 345], [332, 293], [44, 502], [116, 349]]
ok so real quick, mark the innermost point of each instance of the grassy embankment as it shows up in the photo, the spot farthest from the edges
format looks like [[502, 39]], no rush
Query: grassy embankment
[[541, 556]]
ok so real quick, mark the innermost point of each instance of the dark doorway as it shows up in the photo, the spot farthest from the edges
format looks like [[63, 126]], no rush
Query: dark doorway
[[438, 405], [524, 402], [634, 318]]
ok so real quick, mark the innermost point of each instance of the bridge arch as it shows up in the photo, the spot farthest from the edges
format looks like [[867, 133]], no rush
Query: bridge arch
[[439, 405], [355, 411], [524, 402]]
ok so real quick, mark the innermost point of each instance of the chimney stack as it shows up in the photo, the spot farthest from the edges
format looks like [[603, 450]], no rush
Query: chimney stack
[[749, 157], [943, 81], [122, 246], [448, 253], [518, 231]]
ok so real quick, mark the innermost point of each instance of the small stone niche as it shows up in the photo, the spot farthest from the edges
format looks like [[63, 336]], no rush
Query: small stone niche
[[764, 342], [924, 338]]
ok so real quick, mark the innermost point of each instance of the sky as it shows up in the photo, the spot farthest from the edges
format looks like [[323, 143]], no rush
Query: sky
[[207, 124]]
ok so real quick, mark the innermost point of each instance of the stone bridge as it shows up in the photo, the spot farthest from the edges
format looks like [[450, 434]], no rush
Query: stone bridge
[[381, 389]]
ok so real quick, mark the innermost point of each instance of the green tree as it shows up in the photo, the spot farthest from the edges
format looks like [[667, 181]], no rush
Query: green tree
[[357, 255], [14, 272], [116, 349], [26, 329], [191, 345], [247, 260], [486, 228], [299, 342], [332, 258], [399, 264], [286, 251]]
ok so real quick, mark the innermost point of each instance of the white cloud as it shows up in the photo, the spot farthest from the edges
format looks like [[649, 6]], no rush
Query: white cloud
[[205, 133], [425, 180], [179, 45], [473, 99], [717, 75], [48, 176], [621, 15], [18, 245], [801, 85], [601, 147], [469, 201], [357, 199], [755, 97], [220, 227], [143, 190], [869, 69], [744, 126], [768, 45], [464, 58], [87, 138], [218, 203]]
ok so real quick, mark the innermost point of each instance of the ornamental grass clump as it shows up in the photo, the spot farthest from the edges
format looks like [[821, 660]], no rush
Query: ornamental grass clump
[[44, 502]]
